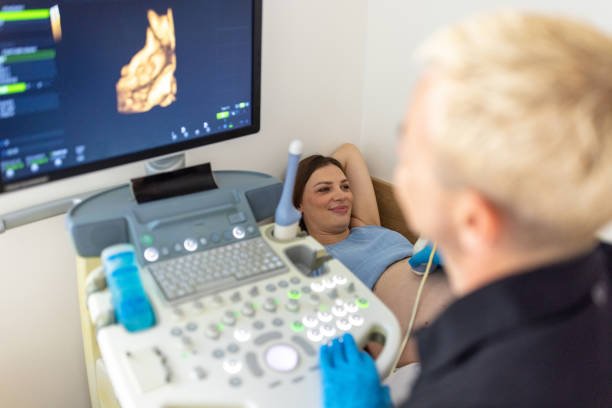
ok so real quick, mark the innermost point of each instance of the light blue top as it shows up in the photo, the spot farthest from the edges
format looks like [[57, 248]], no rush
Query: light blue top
[[368, 251]]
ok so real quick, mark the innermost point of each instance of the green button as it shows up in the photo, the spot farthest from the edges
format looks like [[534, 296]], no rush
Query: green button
[[294, 294], [324, 308], [147, 240], [363, 303], [220, 327], [297, 327]]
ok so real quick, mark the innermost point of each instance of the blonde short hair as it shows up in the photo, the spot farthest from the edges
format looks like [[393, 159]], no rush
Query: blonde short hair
[[526, 116]]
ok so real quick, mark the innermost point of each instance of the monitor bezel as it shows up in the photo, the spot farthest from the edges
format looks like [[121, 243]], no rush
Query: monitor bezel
[[253, 128]]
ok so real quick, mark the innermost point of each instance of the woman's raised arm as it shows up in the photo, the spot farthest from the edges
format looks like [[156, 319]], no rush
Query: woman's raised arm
[[365, 209]]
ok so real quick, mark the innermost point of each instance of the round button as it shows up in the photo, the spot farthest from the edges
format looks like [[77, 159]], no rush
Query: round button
[[317, 287], [248, 310], [242, 335], [328, 330], [232, 366], [339, 279], [310, 321], [314, 335], [146, 239], [343, 324], [294, 294], [282, 358], [229, 318], [328, 283], [356, 320], [363, 303], [269, 305], [151, 254], [325, 316], [278, 322], [338, 311], [212, 332], [238, 232], [190, 244], [351, 307]]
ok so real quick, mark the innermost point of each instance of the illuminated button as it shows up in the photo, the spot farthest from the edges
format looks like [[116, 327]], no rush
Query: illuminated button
[[282, 358], [190, 244], [310, 321], [238, 232], [151, 254], [146, 240], [328, 330], [232, 366], [314, 335], [297, 327], [294, 294], [339, 279], [351, 307], [338, 311], [325, 317], [344, 324], [363, 303], [328, 283], [317, 287], [356, 320], [242, 335]]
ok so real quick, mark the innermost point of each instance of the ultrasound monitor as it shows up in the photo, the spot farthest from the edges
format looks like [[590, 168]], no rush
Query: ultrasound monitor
[[89, 84]]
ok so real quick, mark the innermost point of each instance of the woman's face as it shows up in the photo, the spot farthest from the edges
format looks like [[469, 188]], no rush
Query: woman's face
[[327, 201]]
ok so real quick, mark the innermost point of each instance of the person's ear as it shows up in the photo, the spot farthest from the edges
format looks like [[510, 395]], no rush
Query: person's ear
[[478, 220]]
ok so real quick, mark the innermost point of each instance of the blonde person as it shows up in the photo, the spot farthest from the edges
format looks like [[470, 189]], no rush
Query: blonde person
[[336, 198], [506, 162]]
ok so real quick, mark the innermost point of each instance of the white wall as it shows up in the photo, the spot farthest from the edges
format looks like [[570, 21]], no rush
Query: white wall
[[395, 29], [313, 58]]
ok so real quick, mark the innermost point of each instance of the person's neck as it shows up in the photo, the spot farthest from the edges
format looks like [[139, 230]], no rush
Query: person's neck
[[328, 237], [469, 272]]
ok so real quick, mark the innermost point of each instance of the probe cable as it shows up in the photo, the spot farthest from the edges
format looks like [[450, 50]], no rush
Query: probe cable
[[415, 307]]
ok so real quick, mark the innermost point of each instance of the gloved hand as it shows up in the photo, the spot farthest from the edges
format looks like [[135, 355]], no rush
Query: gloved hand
[[350, 379], [419, 260]]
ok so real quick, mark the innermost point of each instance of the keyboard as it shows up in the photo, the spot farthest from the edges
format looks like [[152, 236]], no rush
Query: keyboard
[[216, 269]]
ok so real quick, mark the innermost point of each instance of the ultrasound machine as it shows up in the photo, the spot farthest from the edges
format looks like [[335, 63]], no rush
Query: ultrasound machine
[[208, 295]]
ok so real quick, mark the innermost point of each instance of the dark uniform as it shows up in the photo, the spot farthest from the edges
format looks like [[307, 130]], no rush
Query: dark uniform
[[538, 339]]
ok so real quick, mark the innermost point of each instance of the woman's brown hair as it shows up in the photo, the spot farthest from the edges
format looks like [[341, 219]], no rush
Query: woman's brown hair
[[306, 167]]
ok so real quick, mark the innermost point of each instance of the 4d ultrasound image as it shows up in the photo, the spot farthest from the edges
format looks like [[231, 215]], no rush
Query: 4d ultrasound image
[[148, 79]]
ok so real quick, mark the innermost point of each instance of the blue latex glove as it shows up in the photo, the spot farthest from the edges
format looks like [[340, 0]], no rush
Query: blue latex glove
[[350, 379], [419, 260]]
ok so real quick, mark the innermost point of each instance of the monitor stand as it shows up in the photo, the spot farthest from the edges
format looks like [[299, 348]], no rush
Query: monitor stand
[[63, 205]]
